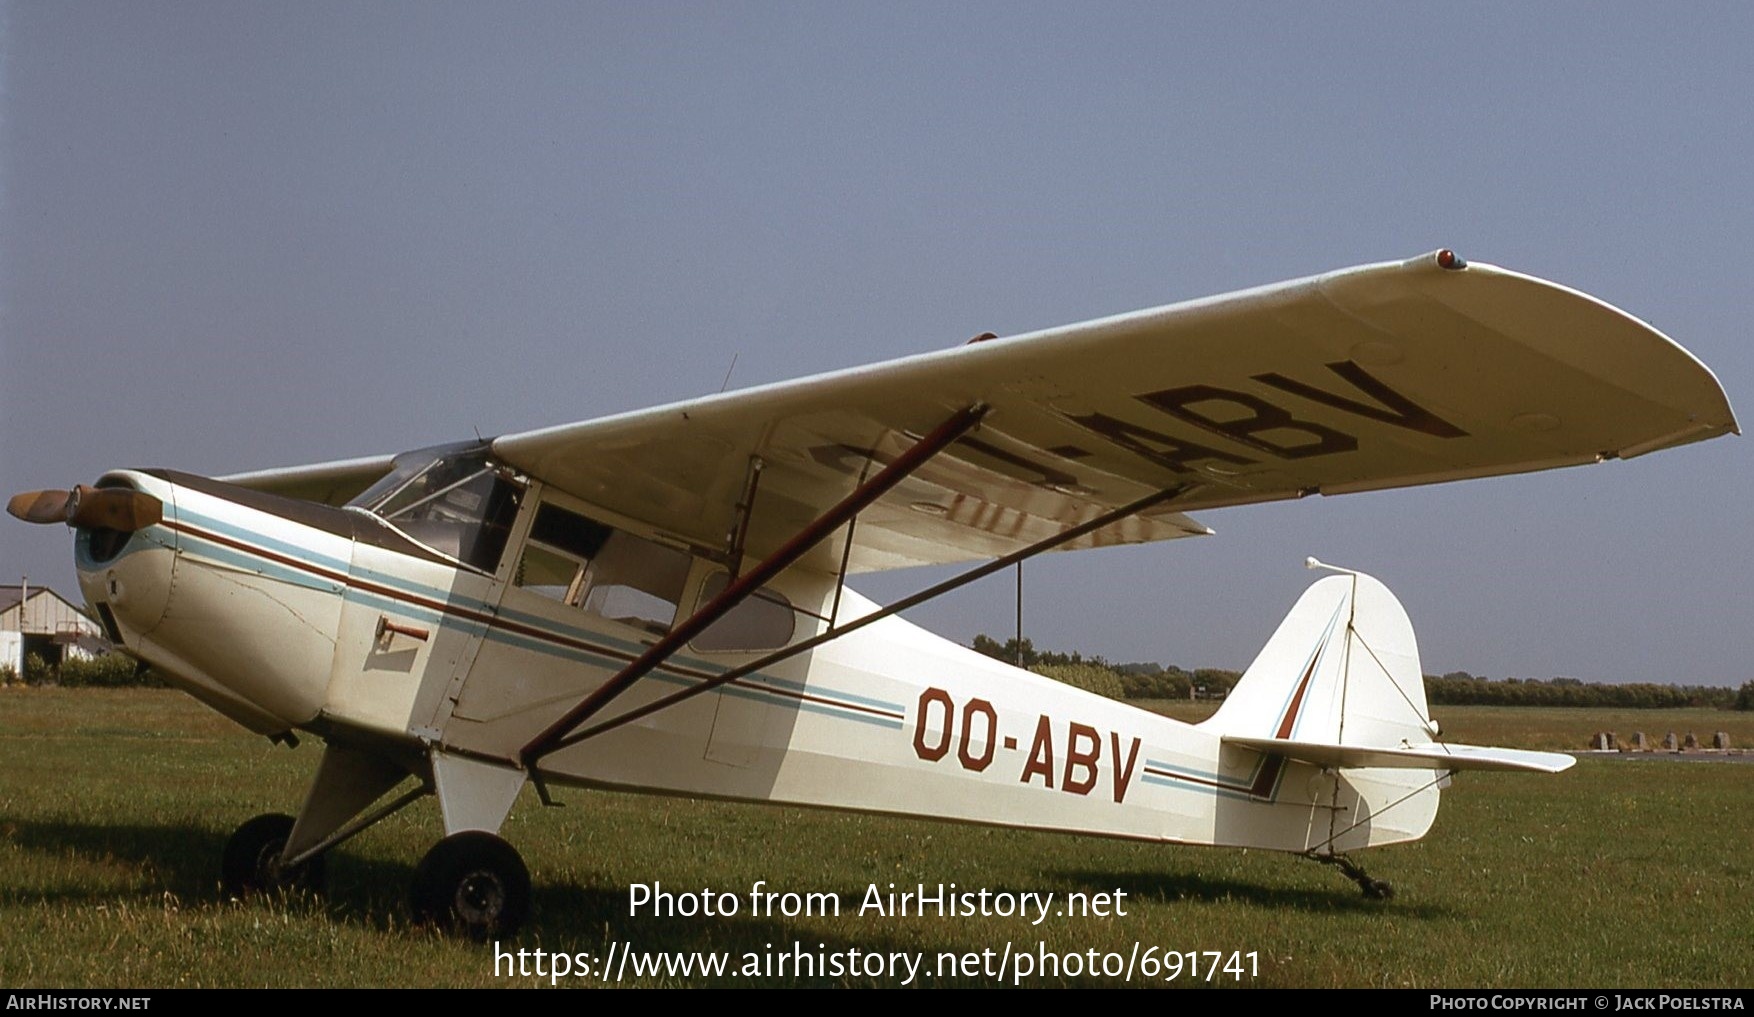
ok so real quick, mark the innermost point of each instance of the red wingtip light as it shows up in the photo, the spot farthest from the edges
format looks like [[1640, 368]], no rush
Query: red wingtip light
[[1449, 259]]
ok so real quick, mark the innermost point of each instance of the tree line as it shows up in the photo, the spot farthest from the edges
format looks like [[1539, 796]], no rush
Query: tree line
[[1141, 680], [1117, 681], [1457, 688]]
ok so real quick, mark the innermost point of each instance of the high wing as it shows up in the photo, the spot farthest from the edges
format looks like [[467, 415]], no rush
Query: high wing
[[333, 483], [1381, 376]]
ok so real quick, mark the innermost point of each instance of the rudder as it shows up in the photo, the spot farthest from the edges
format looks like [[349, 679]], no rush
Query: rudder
[[1342, 668]]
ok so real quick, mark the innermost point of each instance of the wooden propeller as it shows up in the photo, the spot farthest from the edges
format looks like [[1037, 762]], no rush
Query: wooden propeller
[[109, 508]]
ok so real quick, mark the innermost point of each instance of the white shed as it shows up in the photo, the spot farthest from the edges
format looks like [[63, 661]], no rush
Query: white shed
[[36, 619]]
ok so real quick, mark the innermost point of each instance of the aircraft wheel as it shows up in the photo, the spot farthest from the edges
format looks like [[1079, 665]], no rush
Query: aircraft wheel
[[472, 883], [1379, 889], [251, 863]]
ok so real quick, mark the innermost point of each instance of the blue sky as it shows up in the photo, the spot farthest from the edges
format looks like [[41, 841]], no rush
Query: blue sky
[[235, 236]]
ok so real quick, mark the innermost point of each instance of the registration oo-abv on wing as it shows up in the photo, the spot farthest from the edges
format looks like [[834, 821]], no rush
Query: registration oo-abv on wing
[[656, 601]]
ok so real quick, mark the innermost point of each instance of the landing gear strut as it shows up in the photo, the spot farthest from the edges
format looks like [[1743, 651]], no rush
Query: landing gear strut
[[472, 883], [251, 863], [1374, 889]]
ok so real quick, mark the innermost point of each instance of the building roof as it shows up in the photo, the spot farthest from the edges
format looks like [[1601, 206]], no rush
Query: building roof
[[12, 593], [10, 596]]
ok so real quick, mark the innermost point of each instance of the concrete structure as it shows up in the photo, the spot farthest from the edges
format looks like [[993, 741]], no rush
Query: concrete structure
[[36, 619]]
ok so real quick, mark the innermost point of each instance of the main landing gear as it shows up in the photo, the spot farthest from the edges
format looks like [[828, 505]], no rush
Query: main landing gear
[[471, 883], [251, 863]]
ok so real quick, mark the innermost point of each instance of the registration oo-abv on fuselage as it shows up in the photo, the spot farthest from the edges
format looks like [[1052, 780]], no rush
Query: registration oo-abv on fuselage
[[657, 601]]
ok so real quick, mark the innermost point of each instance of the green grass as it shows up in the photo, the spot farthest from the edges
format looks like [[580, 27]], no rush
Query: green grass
[[114, 806]]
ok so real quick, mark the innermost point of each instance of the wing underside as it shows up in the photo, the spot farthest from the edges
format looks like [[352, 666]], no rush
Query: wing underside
[[1383, 376], [333, 483]]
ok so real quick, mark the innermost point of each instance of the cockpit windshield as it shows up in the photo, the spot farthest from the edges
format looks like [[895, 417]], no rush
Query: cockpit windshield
[[453, 499]]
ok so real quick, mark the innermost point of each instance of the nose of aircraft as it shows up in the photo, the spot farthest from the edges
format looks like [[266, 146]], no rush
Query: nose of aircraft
[[129, 591]]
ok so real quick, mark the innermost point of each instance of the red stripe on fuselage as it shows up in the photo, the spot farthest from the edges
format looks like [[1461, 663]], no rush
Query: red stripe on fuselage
[[495, 622]]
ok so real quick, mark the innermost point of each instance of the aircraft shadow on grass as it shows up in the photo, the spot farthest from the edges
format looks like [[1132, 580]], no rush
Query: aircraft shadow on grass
[[178, 858], [181, 858], [1197, 889]]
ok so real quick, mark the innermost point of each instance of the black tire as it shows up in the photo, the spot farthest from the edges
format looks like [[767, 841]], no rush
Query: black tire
[[473, 884], [251, 863]]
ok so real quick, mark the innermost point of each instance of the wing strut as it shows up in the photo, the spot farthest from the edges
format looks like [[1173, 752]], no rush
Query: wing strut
[[930, 592], [555, 735]]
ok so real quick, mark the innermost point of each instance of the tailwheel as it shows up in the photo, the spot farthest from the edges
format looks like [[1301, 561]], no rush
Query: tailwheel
[[251, 863], [1373, 888], [472, 883]]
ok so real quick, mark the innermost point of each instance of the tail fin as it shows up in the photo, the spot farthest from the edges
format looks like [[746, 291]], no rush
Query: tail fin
[[1339, 685], [1342, 668]]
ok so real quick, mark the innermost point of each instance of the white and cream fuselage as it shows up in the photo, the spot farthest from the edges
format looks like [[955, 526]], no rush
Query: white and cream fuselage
[[337, 624]]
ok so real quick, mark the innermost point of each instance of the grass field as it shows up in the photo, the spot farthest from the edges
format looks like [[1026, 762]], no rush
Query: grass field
[[114, 807]]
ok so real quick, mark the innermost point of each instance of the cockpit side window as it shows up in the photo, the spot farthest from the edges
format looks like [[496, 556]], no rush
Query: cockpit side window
[[602, 571], [766, 620], [568, 532], [636, 582]]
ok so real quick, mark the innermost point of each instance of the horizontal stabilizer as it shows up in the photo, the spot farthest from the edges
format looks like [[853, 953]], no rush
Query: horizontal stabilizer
[[1424, 756]]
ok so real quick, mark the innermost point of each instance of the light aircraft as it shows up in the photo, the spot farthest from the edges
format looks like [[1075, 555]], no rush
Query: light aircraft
[[656, 601]]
